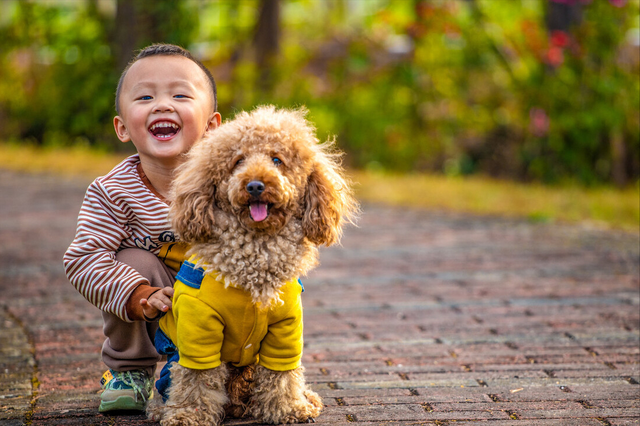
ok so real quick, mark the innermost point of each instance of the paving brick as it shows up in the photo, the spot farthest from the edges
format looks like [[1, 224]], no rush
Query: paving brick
[[11, 422], [622, 421], [536, 422]]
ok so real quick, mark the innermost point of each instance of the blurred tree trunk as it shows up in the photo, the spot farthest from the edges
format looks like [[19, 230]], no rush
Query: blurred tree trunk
[[562, 16], [139, 23], [238, 52], [266, 43], [126, 32], [618, 157]]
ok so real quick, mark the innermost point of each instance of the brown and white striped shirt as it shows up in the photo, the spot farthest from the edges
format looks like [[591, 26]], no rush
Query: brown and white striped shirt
[[120, 210]]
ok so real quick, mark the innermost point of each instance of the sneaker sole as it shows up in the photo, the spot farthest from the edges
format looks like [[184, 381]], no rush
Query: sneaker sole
[[121, 403]]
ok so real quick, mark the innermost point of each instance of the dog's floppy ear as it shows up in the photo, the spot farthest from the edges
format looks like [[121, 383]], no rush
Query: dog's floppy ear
[[328, 202], [193, 204]]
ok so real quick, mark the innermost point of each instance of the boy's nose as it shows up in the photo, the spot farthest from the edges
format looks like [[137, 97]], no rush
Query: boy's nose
[[163, 105]]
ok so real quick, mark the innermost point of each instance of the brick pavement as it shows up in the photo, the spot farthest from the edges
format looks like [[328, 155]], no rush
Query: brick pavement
[[420, 318]]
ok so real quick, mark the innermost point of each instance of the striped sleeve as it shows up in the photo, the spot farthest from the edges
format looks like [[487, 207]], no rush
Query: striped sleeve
[[90, 261]]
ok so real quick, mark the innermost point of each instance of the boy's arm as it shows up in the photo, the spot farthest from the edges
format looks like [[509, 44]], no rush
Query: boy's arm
[[90, 262]]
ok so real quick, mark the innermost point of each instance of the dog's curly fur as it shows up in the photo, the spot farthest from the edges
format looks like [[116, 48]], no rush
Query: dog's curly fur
[[309, 200]]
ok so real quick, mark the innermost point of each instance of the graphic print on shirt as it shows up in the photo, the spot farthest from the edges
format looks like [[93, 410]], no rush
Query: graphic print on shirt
[[147, 244], [167, 237]]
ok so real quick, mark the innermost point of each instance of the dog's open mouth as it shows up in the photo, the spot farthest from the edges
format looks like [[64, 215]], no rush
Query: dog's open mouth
[[164, 129], [258, 210]]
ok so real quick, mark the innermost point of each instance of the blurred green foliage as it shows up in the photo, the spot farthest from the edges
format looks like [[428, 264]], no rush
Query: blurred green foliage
[[56, 77], [59, 66], [462, 87]]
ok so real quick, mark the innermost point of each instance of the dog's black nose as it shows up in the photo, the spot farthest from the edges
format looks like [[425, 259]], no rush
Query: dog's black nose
[[255, 188]]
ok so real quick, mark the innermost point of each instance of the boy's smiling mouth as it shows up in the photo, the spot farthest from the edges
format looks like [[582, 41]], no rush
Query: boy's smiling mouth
[[164, 129]]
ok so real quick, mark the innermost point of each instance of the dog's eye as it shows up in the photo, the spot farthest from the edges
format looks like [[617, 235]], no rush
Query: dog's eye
[[277, 161], [238, 162]]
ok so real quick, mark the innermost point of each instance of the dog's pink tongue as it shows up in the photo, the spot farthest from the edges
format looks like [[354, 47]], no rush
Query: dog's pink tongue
[[258, 211]]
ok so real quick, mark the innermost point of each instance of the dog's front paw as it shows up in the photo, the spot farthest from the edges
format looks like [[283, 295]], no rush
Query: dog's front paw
[[283, 397], [181, 417], [155, 409], [305, 410], [196, 397], [297, 411], [315, 400]]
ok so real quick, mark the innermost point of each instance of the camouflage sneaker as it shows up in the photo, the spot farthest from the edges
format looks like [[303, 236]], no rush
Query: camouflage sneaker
[[125, 390]]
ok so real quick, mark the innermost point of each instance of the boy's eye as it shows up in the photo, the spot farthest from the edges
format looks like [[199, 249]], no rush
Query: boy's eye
[[180, 96], [145, 98], [277, 161]]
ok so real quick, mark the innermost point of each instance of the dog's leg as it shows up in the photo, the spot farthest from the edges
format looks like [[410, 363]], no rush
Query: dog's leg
[[283, 397], [196, 397], [155, 409]]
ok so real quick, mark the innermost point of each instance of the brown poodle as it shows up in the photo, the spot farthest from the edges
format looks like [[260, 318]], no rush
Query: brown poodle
[[255, 199]]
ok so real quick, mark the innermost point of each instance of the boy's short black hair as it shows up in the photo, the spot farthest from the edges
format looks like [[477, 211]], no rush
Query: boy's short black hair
[[167, 50]]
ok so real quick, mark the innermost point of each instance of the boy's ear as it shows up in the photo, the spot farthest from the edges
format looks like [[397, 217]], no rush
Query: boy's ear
[[121, 130], [214, 121]]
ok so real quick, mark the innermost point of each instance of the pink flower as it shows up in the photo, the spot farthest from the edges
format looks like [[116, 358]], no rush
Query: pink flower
[[559, 38], [539, 122], [555, 56]]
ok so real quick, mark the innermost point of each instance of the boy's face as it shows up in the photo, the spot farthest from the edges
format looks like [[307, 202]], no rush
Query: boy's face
[[165, 107]]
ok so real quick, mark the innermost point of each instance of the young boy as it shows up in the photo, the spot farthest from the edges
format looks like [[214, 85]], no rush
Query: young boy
[[124, 257]]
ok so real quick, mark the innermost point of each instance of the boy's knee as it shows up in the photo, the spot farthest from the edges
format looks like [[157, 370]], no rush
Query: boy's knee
[[146, 264], [134, 256]]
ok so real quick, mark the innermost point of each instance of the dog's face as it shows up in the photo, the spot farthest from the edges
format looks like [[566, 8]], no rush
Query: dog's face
[[263, 167], [268, 170]]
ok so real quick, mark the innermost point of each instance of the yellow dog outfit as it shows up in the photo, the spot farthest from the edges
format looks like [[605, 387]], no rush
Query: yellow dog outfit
[[211, 323]]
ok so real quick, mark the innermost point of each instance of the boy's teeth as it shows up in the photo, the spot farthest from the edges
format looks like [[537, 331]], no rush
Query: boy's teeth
[[164, 124]]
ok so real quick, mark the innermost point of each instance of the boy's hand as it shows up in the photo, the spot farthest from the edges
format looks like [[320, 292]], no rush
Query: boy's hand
[[160, 301]]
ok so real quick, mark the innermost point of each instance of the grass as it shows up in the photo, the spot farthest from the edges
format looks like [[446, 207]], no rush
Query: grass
[[604, 207], [71, 162]]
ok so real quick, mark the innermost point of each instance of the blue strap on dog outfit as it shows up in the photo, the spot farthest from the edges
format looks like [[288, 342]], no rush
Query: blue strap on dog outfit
[[190, 275], [165, 346]]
